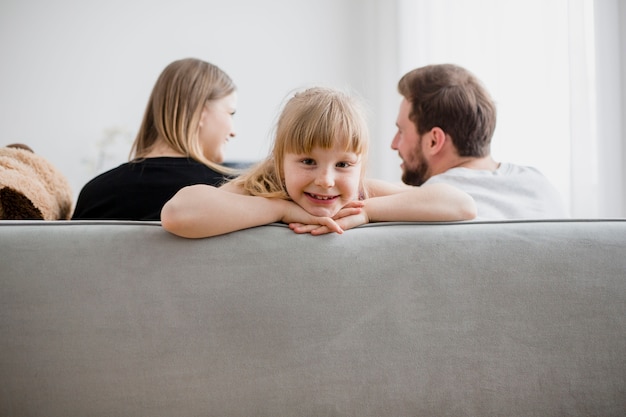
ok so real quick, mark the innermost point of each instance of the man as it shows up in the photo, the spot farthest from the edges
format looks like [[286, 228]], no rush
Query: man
[[445, 124]]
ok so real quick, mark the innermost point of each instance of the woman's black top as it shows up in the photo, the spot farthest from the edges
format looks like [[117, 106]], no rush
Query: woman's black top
[[138, 190]]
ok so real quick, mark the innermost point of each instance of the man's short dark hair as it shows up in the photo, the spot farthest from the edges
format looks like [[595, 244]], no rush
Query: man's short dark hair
[[451, 98]]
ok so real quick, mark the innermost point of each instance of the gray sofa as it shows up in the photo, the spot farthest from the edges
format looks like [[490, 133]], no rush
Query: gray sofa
[[524, 318]]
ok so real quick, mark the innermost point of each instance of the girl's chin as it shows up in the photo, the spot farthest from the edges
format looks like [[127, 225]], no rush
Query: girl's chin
[[322, 211]]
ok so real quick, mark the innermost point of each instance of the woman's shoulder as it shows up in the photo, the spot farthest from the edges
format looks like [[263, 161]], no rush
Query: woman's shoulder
[[111, 173]]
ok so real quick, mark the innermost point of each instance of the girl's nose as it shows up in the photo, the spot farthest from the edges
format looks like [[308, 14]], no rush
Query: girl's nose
[[325, 179]]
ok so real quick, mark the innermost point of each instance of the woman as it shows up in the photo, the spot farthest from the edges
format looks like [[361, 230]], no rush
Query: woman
[[187, 123]]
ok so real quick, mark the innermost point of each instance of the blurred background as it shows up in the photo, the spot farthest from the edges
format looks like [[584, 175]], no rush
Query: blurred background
[[76, 75]]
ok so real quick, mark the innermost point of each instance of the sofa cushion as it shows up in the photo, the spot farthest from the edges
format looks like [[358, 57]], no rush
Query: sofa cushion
[[523, 318]]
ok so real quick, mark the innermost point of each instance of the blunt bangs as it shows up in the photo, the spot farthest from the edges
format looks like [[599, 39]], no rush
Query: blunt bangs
[[324, 119]]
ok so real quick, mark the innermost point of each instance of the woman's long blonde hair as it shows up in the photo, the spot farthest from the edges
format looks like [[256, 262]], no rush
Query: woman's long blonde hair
[[316, 117], [175, 107]]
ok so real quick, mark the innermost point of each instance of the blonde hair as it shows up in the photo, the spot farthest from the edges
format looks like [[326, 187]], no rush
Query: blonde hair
[[175, 106], [316, 117]]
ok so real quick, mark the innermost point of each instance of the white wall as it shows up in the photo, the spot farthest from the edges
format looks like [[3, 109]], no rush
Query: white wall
[[74, 69], [76, 74]]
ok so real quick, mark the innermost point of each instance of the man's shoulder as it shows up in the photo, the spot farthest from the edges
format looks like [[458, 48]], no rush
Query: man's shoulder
[[505, 169], [508, 192]]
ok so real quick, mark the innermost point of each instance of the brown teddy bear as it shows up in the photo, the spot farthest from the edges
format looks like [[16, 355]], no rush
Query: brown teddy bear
[[31, 188]]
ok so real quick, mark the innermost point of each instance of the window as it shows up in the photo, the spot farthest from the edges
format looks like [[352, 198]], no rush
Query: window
[[553, 68]]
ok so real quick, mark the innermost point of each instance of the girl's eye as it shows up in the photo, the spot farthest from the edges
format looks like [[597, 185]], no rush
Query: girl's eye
[[347, 164], [308, 161]]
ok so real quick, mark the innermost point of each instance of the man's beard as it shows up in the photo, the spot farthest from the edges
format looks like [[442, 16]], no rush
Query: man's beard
[[416, 174]]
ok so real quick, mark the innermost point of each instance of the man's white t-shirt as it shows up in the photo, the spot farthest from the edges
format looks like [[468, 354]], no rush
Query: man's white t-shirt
[[510, 192]]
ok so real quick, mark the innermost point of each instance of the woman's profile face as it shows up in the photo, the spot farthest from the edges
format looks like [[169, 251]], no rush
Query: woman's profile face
[[216, 126]]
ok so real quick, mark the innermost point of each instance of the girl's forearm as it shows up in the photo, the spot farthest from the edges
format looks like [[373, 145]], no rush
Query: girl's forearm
[[202, 211], [437, 202]]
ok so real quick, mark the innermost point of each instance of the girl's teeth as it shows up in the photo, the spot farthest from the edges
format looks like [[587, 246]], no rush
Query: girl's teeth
[[319, 197]]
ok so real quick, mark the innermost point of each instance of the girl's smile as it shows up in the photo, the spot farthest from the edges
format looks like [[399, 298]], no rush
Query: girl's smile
[[323, 180], [321, 199]]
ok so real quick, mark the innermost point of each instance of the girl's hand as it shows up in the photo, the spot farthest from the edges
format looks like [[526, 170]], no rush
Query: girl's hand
[[297, 217], [354, 220], [352, 208], [349, 216]]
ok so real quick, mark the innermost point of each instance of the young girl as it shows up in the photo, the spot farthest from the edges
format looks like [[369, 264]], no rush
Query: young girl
[[181, 140], [313, 180]]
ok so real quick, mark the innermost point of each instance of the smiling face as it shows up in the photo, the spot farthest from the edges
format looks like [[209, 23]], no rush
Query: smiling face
[[216, 126], [322, 181]]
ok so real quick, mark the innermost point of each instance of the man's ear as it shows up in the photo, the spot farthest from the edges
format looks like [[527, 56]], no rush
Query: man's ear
[[437, 140]]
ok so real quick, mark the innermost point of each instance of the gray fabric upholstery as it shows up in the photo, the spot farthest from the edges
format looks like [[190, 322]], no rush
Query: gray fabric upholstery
[[522, 318]]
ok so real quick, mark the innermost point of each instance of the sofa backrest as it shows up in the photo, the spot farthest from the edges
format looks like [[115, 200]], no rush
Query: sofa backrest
[[522, 318]]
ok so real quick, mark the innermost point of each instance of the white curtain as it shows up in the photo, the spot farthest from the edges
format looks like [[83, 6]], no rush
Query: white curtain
[[556, 70]]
